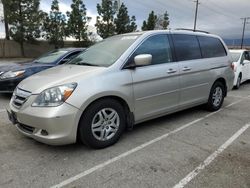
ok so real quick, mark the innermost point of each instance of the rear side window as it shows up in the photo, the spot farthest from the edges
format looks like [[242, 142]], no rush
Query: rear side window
[[186, 47], [158, 46], [211, 47]]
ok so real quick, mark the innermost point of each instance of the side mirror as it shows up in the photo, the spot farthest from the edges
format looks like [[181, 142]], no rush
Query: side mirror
[[143, 59]]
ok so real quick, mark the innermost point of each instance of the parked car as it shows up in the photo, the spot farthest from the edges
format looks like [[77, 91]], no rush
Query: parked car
[[122, 81], [241, 62], [12, 75]]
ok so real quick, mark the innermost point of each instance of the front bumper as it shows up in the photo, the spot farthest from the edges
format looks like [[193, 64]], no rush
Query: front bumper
[[9, 85], [60, 123]]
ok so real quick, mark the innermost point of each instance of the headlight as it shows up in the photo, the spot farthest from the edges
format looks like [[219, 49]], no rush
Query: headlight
[[12, 74], [54, 96]]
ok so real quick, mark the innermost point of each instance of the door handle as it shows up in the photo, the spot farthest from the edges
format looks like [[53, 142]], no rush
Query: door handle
[[171, 71], [186, 69]]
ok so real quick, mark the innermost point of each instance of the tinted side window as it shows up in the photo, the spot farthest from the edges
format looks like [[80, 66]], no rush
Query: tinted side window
[[247, 56], [158, 46], [211, 47], [186, 47], [69, 57]]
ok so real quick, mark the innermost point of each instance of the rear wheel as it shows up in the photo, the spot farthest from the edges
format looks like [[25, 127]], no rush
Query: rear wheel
[[102, 124], [216, 97]]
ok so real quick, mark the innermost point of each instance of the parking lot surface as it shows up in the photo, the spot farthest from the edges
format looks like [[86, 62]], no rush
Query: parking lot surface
[[192, 148]]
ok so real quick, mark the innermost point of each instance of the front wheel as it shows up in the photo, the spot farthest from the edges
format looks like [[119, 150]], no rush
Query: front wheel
[[238, 82], [102, 124], [216, 97]]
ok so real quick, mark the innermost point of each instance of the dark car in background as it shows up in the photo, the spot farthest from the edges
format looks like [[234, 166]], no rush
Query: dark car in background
[[12, 75]]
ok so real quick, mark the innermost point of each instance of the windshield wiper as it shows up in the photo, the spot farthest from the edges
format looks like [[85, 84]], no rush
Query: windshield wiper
[[87, 64]]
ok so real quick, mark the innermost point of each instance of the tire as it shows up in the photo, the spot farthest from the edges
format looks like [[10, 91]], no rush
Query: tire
[[216, 97], [102, 124], [238, 82]]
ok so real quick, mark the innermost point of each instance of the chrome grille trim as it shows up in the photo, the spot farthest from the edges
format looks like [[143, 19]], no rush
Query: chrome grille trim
[[19, 97]]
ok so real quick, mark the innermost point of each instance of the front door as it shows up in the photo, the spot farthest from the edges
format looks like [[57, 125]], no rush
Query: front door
[[156, 86]]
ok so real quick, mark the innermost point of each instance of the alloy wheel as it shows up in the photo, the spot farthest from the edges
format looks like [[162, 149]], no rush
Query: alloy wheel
[[217, 96], [105, 124]]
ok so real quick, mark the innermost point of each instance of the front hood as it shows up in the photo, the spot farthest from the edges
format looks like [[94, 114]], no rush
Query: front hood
[[56, 76], [22, 66]]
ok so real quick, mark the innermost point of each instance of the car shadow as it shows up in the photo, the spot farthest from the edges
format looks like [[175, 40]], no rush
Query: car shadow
[[6, 96], [166, 122]]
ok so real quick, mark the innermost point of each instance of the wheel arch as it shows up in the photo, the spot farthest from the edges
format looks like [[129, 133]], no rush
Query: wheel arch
[[127, 108], [223, 81]]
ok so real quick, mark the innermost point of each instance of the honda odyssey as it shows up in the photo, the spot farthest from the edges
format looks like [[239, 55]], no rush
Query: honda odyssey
[[122, 81]]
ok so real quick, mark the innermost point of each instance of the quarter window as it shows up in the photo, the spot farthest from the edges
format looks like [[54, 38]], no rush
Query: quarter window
[[158, 46], [186, 47], [211, 47]]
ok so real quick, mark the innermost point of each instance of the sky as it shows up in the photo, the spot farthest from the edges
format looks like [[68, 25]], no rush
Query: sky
[[221, 17]]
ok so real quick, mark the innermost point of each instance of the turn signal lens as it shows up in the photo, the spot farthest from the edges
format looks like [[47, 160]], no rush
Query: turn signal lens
[[67, 94]]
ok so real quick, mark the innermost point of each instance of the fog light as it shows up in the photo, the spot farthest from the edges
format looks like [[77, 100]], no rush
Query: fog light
[[44, 133]]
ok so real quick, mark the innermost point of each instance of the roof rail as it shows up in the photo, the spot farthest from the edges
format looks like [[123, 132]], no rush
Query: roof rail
[[192, 30]]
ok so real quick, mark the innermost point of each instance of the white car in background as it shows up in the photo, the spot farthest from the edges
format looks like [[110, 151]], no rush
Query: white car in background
[[241, 63]]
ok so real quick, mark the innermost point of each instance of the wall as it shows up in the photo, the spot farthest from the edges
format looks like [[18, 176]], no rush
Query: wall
[[11, 49]]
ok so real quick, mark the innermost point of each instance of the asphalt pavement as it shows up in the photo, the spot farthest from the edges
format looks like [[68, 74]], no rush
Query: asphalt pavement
[[192, 148]]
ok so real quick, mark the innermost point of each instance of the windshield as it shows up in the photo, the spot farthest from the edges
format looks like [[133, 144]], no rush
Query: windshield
[[106, 52], [235, 56], [51, 57]]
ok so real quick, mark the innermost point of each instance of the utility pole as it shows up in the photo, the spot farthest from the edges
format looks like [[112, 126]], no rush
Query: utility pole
[[244, 27], [196, 13]]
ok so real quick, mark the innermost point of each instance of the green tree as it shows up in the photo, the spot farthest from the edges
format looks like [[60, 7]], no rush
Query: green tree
[[123, 22], [24, 18], [144, 26], [77, 21], [150, 23], [105, 21], [55, 25], [132, 26], [162, 21], [166, 21]]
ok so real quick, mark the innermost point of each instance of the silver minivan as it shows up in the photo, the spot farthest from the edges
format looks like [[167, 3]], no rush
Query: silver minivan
[[122, 81]]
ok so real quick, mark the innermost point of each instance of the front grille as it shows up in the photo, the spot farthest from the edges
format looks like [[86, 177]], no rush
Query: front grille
[[20, 97], [26, 128]]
